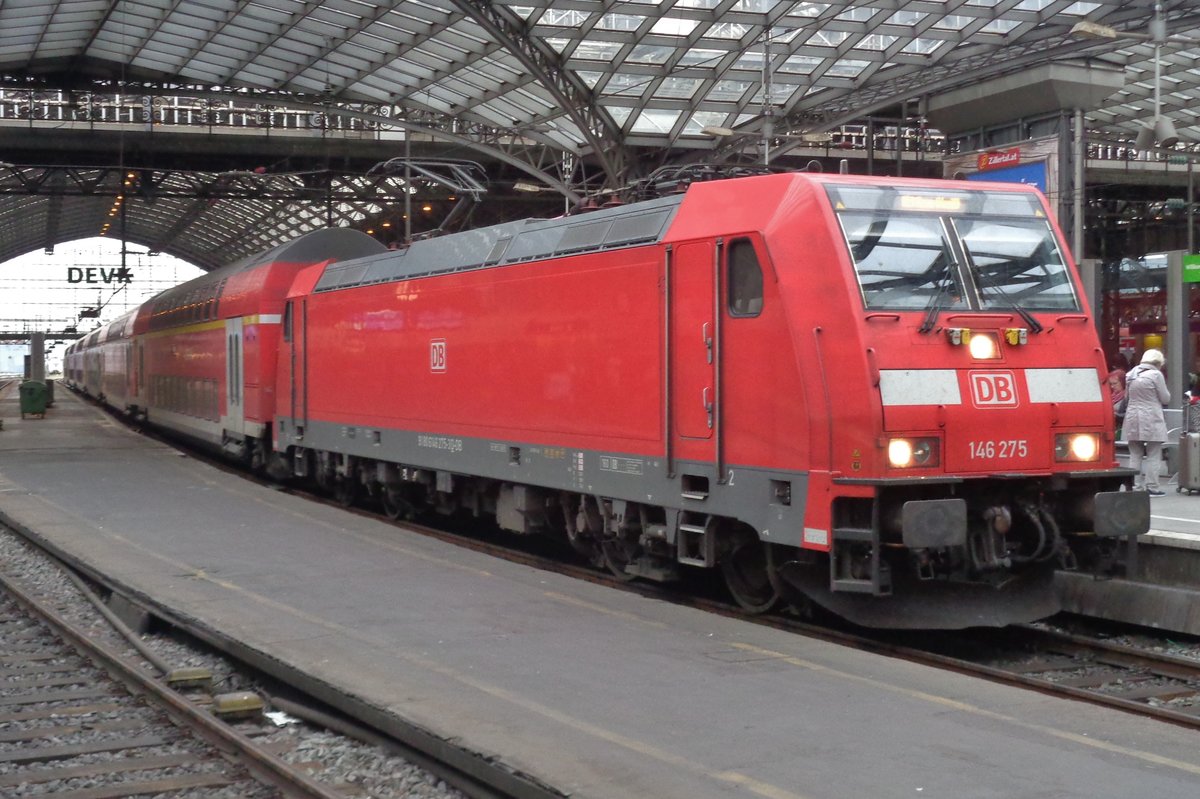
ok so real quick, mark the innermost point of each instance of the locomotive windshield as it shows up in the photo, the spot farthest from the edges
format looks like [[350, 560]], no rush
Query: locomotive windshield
[[918, 249]]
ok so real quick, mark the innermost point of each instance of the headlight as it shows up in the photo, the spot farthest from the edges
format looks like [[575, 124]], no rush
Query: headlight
[[983, 346], [907, 453], [1076, 447]]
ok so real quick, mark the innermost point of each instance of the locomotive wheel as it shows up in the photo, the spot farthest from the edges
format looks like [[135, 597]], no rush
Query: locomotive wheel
[[344, 492], [393, 508], [396, 504], [746, 568], [792, 597], [619, 552]]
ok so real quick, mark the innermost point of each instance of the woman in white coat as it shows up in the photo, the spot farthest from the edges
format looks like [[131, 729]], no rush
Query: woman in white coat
[[1145, 429]]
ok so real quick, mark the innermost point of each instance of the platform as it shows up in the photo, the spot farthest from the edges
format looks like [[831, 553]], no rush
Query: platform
[[595, 692], [1163, 590]]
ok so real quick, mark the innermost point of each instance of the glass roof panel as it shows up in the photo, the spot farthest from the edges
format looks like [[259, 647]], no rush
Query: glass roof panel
[[597, 51], [828, 38], [847, 68], [800, 64], [650, 54], [728, 30], [923, 46], [620, 22], [751, 60], [755, 6], [857, 14], [876, 42], [699, 56], [564, 18], [679, 88], [673, 26], [1000, 26], [656, 121], [704, 119], [953, 22], [807, 10], [590, 78], [729, 90], [626, 85], [619, 113], [907, 18]]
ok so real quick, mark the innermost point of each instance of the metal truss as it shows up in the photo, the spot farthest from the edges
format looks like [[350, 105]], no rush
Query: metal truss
[[578, 95], [215, 218]]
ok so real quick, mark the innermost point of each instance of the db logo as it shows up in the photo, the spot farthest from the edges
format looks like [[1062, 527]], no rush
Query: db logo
[[993, 389], [437, 355]]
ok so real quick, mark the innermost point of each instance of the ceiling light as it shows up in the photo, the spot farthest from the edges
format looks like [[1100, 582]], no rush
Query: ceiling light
[[1145, 138], [1164, 131], [1093, 30]]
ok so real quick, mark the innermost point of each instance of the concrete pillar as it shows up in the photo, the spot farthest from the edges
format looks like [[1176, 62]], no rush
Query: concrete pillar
[[1078, 156], [1179, 359], [37, 356], [1089, 273]]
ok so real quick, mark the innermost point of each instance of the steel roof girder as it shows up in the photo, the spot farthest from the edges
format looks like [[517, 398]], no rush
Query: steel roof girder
[[599, 131]]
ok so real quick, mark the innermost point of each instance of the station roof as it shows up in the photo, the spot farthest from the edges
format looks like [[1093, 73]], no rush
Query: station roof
[[596, 82]]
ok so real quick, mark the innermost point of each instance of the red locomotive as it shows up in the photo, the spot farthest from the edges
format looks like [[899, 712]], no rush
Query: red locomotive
[[884, 396]]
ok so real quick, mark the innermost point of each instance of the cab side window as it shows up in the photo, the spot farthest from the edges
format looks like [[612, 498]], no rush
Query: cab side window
[[744, 278], [287, 322]]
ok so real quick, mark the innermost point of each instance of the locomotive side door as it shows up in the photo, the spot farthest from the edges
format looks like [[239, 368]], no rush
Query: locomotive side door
[[694, 351], [235, 421]]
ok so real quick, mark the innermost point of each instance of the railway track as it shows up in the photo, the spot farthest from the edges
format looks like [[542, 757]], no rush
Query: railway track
[[1138, 679], [79, 720]]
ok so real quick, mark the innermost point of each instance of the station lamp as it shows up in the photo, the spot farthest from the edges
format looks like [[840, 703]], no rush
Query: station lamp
[[1160, 130]]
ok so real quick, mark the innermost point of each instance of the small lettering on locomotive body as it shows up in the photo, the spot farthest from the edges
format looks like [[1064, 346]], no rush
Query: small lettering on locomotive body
[[611, 463], [440, 442]]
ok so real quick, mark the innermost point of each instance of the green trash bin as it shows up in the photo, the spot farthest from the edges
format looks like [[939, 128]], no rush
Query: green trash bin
[[33, 398]]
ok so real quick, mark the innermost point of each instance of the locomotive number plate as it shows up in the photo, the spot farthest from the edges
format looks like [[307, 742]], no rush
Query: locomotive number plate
[[999, 450]]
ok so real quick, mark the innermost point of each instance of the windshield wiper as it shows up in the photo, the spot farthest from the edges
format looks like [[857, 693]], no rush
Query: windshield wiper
[[1034, 325], [935, 306]]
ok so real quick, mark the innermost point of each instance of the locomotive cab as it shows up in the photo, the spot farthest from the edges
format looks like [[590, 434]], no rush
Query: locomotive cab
[[993, 454]]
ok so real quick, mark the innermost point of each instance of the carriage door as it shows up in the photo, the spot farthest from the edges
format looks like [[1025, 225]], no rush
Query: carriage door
[[234, 379], [694, 353], [139, 380], [294, 338]]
